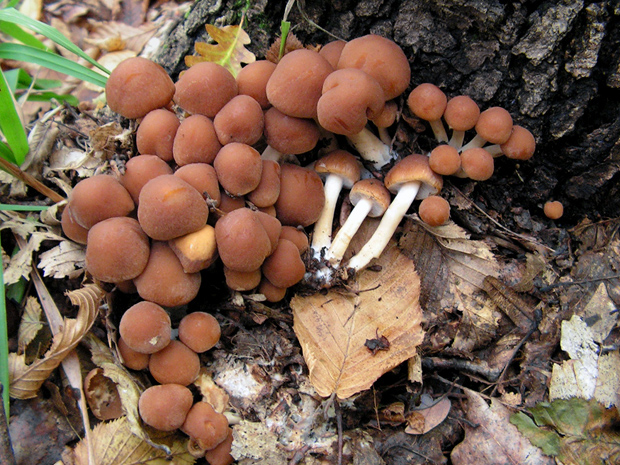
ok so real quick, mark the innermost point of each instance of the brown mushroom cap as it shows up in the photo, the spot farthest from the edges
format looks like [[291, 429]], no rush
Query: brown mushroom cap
[[197, 250], [242, 280], [238, 167], [350, 97], [132, 359], [272, 226], [141, 169], [205, 426], [164, 281], [301, 196], [288, 134], [477, 163], [331, 51], [461, 113], [240, 120], [284, 267], [169, 207], [388, 115], [199, 331], [434, 210], [136, 86], [296, 236], [252, 81], [203, 178], [220, 455], [553, 210], [71, 229], [165, 406], [382, 58], [196, 141], [494, 125], [520, 145], [268, 189], [176, 363], [205, 88], [272, 293], [427, 101], [295, 86], [414, 167], [445, 160], [374, 191], [340, 163], [229, 203], [98, 198], [117, 250], [242, 241], [145, 327], [156, 132]]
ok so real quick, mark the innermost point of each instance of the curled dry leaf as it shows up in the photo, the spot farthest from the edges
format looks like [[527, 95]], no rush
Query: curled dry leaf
[[452, 268], [430, 414], [113, 442], [333, 328], [102, 395], [66, 260], [30, 323], [25, 380]]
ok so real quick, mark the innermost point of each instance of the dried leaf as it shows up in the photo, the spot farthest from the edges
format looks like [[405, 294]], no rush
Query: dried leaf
[[229, 51], [211, 392], [333, 328], [30, 323], [578, 431], [25, 380], [430, 414], [102, 395], [113, 442], [66, 260], [494, 439], [453, 268]]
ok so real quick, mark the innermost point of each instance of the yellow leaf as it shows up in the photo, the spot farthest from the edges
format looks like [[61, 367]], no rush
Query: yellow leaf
[[25, 380], [229, 51], [338, 331]]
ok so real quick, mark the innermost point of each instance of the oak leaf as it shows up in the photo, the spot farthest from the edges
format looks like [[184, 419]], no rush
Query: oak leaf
[[333, 328], [229, 51]]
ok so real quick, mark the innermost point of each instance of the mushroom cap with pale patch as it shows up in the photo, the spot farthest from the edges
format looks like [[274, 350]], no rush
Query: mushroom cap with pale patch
[[374, 191], [414, 168], [340, 163]]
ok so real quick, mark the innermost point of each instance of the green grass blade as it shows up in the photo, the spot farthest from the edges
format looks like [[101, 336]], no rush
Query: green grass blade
[[52, 61], [49, 96], [20, 79], [13, 30], [4, 346], [5, 152], [22, 208], [14, 16], [11, 126]]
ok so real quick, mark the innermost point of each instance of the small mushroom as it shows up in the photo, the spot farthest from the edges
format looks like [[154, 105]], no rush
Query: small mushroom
[[341, 170], [195, 141], [553, 210], [239, 168], [197, 250], [445, 160], [370, 198], [145, 327], [301, 198], [155, 135], [117, 250], [288, 135], [165, 406], [203, 178], [272, 293], [252, 81], [284, 267], [428, 102], [477, 164], [98, 198], [434, 210], [461, 114], [176, 363], [410, 178], [297, 236], [132, 359], [494, 125], [205, 88], [240, 120], [268, 190], [242, 280], [137, 86], [141, 169], [220, 455], [521, 144], [71, 229], [199, 331], [205, 426], [331, 51]]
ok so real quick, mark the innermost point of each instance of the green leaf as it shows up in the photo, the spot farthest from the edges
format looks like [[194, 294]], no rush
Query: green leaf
[[568, 417], [4, 344], [285, 27], [14, 16], [13, 30], [49, 96], [11, 125], [20, 79], [546, 440], [52, 61]]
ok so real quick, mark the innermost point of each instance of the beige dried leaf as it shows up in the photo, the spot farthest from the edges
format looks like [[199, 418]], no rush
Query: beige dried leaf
[[66, 260], [114, 443], [211, 392], [430, 414], [452, 268], [30, 323], [25, 380], [333, 328], [112, 36]]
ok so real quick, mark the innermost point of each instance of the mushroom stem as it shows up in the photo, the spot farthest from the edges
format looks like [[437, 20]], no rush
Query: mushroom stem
[[494, 150], [457, 138], [347, 231], [476, 142], [390, 221], [271, 154], [371, 148], [439, 130], [321, 238]]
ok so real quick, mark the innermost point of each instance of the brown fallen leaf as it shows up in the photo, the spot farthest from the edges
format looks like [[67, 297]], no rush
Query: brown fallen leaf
[[452, 268], [102, 395], [430, 414], [30, 323], [333, 328], [25, 380], [494, 439]]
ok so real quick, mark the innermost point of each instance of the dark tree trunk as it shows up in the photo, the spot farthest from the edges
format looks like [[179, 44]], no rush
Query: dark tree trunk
[[554, 65]]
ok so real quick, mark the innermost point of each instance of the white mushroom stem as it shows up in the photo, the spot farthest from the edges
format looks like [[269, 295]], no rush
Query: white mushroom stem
[[476, 142], [271, 154], [347, 231], [371, 148], [390, 221], [494, 150], [322, 236], [439, 130], [457, 139]]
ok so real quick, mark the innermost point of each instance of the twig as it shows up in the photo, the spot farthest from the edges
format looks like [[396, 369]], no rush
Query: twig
[[30, 180], [339, 426], [577, 283], [6, 450]]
